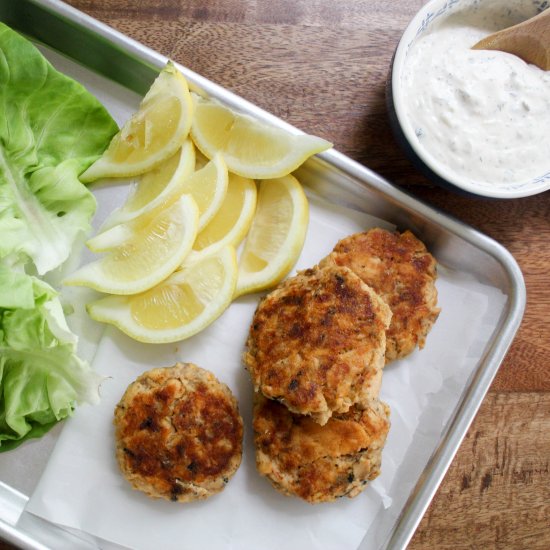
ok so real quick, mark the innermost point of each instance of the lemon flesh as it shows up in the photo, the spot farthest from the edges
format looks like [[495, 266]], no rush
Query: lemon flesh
[[232, 221], [142, 252], [250, 148], [177, 308], [276, 236], [153, 134], [154, 187]]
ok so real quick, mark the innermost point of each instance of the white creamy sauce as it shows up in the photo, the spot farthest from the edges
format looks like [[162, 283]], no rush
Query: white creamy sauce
[[483, 114]]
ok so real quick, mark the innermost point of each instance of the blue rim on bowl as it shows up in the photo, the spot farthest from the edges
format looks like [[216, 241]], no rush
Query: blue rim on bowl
[[404, 133]]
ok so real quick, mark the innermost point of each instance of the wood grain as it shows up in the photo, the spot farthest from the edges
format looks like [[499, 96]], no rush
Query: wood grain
[[322, 66], [496, 493]]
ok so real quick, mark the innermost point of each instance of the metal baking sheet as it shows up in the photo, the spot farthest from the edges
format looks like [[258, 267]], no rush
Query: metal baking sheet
[[339, 179]]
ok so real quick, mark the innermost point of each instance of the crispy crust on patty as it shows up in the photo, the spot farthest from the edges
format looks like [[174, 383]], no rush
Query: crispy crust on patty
[[319, 463], [317, 342], [400, 269], [178, 433]]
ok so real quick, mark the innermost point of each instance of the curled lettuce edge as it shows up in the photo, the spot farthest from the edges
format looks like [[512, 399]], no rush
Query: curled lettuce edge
[[41, 377]]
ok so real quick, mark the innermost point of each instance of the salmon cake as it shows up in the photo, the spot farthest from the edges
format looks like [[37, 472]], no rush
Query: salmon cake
[[178, 433], [400, 269], [317, 342], [319, 463]]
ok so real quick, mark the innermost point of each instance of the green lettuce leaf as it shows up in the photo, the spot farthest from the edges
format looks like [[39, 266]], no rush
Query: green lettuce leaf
[[41, 377], [51, 130]]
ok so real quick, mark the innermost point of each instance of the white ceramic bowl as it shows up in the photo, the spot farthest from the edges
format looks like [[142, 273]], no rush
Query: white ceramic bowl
[[433, 13]]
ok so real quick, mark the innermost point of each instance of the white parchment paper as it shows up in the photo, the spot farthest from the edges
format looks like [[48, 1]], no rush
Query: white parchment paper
[[82, 488]]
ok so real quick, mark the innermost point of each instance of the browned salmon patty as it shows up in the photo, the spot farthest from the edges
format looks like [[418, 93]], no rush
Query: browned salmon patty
[[317, 342], [178, 433], [319, 463], [400, 269]]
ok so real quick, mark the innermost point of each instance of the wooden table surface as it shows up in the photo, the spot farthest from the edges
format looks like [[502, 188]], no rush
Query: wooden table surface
[[322, 66]]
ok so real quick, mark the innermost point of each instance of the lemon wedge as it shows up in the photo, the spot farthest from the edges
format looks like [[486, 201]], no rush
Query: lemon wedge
[[153, 134], [276, 236], [208, 186], [142, 252], [177, 308], [250, 148], [154, 187], [232, 221]]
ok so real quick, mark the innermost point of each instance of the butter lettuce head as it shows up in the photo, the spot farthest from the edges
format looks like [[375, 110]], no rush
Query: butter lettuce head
[[51, 130], [41, 377]]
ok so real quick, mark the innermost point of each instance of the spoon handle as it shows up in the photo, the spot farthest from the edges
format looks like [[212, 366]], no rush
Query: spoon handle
[[529, 40]]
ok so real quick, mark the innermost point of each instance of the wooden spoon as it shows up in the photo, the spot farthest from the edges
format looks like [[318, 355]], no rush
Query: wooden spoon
[[529, 40]]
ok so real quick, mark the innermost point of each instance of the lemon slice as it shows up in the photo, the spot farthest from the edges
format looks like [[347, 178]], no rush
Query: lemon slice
[[250, 148], [177, 308], [232, 221], [142, 252], [153, 134], [153, 187], [276, 236]]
